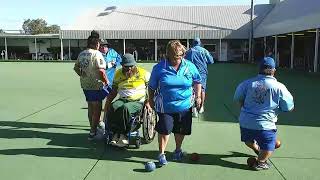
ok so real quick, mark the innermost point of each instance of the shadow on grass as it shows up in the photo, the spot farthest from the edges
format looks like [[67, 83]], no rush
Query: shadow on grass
[[76, 145]]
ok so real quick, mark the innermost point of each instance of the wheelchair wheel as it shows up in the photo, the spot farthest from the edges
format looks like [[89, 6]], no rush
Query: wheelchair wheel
[[149, 122]]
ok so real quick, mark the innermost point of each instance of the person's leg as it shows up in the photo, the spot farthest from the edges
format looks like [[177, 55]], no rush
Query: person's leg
[[96, 113], [90, 111], [163, 141], [266, 139], [179, 139], [103, 94], [113, 115], [254, 146], [164, 127], [248, 137], [264, 155], [129, 110], [182, 126], [203, 98], [203, 92]]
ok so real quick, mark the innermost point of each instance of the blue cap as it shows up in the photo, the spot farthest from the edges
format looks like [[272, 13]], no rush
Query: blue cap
[[267, 63], [196, 42]]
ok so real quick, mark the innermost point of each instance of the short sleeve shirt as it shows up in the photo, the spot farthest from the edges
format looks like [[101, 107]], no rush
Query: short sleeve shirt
[[133, 88], [263, 99], [174, 88], [89, 62]]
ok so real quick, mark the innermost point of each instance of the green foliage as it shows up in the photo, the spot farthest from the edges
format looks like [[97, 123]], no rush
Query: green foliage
[[39, 26]]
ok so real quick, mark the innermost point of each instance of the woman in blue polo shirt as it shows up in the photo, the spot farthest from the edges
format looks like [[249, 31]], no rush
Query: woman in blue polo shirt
[[174, 79]]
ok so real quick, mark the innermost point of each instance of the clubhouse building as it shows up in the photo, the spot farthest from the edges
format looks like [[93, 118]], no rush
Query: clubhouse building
[[288, 29]]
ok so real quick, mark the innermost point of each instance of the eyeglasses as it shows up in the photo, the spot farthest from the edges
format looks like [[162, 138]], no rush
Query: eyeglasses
[[127, 67], [178, 55]]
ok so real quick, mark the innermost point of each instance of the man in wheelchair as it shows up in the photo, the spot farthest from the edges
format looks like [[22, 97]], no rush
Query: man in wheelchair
[[130, 82]]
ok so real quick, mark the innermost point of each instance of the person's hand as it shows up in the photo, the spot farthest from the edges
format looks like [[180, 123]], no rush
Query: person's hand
[[198, 103], [149, 105]]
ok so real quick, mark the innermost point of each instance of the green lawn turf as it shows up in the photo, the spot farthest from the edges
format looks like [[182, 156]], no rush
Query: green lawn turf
[[43, 130]]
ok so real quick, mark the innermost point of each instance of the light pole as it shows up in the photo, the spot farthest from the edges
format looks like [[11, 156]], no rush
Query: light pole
[[251, 34]]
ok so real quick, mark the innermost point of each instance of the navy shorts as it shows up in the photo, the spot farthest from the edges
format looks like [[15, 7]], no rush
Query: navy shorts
[[178, 123], [96, 95], [266, 139]]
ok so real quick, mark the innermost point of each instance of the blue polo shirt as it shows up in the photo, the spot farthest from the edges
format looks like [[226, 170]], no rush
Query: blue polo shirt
[[174, 87], [112, 55], [200, 58], [263, 99]]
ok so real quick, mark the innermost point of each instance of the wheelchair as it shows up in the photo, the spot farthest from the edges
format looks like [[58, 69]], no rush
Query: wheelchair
[[143, 118]]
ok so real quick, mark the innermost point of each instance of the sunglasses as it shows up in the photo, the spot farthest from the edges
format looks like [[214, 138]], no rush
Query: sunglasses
[[127, 67]]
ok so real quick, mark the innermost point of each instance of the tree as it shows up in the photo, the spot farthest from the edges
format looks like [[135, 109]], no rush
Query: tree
[[1, 31], [53, 29], [39, 26]]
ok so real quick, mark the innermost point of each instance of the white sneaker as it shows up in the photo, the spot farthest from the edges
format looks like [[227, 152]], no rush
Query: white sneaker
[[194, 112], [100, 131], [201, 110], [114, 139], [102, 125], [123, 141]]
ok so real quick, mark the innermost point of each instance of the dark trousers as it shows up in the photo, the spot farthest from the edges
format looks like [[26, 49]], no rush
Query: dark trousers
[[121, 113]]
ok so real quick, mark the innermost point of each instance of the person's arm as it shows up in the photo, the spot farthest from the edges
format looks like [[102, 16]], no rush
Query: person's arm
[[286, 103], [76, 68], [209, 57], [241, 102], [153, 84], [118, 60], [196, 78], [150, 102], [239, 94], [110, 98], [197, 91], [101, 65], [103, 76]]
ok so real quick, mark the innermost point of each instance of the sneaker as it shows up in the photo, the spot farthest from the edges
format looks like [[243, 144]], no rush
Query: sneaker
[[91, 136], [177, 155], [194, 112], [95, 137], [201, 110], [100, 131], [162, 160], [123, 141], [115, 139], [261, 166], [102, 126]]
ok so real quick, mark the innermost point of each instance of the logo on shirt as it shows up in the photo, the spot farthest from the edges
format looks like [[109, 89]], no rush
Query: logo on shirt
[[260, 93]]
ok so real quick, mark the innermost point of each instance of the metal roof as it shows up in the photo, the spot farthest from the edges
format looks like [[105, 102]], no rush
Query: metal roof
[[21, 35], [290, 16], [166, 22]]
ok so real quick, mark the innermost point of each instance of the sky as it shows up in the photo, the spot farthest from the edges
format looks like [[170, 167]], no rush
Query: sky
[[64, 12]]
